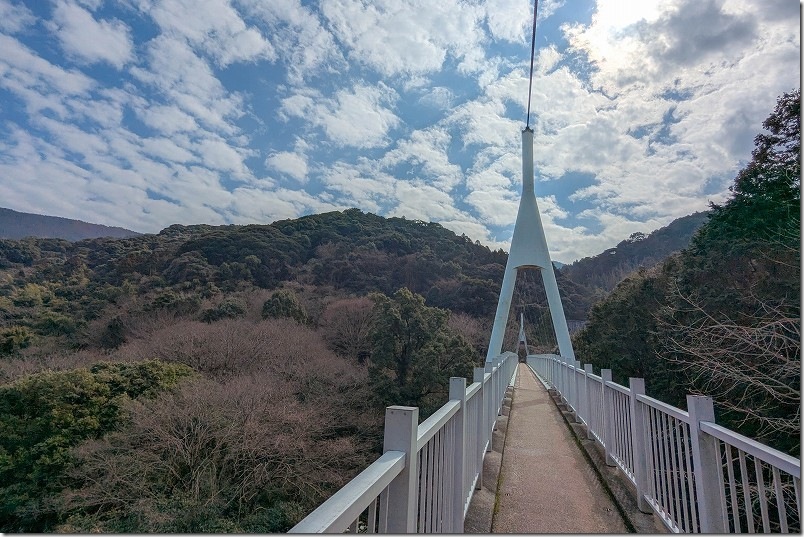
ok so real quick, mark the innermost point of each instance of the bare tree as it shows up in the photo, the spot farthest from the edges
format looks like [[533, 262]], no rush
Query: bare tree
[[346, 326], [475, 331], [211, 452], [750, 366]]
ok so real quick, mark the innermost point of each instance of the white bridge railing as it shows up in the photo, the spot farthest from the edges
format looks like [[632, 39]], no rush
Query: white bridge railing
[[426, 477], [696, 475]]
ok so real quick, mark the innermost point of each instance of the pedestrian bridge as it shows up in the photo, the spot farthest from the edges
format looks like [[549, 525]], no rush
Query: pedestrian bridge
[[692, 474]]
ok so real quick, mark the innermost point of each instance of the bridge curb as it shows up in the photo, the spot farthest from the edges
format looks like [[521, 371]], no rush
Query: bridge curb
[[484, 502]]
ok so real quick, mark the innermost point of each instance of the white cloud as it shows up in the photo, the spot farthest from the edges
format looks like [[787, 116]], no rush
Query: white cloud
[[509, 20], [166, 119], [90, 40], [215, 27], [219, 155], [427, 149], [251, 205], [166, 149], [405, 37], [422, 202], [292, 164], [438, 97], [355, 117], [307, 49], [360, 185], [14, 17], [23, 69], [189, 84]]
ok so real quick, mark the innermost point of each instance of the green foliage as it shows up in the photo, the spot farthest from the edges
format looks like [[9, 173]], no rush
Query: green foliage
[[284, 304], [180, 303], [114, 334], [13, 339], [30, 296], [56, 324], [229, 308], [42, 416], [623, 335], [414, 353]]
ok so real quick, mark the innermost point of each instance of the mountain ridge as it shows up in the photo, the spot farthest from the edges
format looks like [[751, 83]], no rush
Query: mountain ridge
[[17, 225]]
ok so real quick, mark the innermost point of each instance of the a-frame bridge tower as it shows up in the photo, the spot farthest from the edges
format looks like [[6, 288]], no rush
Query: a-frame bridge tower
[[529, 251]]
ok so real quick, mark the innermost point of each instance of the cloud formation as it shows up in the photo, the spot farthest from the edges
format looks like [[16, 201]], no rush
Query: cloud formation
[[90, 40], [152, 112]]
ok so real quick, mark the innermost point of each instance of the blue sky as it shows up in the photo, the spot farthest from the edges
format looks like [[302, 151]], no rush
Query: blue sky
[[145, 113]]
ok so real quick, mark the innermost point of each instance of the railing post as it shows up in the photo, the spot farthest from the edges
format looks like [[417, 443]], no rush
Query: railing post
[[481, 424], [576, 391], [583, 416], [608, 416], [401, 427], [491, 416], [587, 369], [638, 447], [457, 390], [705, 461], [551, 363]]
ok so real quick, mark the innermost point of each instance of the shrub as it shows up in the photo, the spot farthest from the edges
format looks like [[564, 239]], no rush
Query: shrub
[[229, 308], [284, 303], [13, 339]]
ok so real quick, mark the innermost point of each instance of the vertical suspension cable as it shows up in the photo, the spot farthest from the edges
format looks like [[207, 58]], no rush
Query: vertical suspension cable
[[532, 54]]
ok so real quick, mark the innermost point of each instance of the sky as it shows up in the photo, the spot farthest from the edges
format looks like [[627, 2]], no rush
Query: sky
[[147, 113]]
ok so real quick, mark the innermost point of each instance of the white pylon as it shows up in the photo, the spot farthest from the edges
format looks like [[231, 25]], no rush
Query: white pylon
[[529, 251]]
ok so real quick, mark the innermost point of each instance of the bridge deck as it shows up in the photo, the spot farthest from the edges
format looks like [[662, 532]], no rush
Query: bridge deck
[[546, 484]]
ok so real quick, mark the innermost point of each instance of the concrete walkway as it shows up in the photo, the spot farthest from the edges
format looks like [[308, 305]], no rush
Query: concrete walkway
[[546, 485]]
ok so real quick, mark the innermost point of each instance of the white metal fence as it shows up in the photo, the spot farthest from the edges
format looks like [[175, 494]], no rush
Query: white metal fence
[[426, 477], [697, 476]]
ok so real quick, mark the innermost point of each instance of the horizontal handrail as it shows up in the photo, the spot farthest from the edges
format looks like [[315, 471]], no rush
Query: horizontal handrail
[[782, 461], [618, 388], [429, 427], [395, 490], [670, 410], [343, 507]]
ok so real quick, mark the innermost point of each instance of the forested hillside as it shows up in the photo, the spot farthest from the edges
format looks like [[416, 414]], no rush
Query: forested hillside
[[225, 378], [605, 270], [17, 225], [723, 317]]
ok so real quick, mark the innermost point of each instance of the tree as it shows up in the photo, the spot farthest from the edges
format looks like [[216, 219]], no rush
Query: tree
[[234, 457], [733, 318], [346, 326], [228, 308], [13, 339], [751, 366], [414, 353], [722, 318], [284, 303]]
